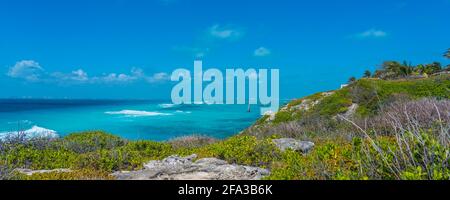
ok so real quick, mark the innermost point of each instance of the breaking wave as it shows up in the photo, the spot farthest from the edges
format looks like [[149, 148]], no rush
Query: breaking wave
[[167, 105], [180, 111], [33, 132], [136, 113]]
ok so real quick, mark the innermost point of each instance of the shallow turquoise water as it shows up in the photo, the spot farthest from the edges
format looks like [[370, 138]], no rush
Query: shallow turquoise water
[[152, 120]]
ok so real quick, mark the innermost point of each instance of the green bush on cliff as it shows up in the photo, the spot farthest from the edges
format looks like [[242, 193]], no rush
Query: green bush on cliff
[[334, 104], [247, 150], [283, 116], [84, 174], [407, 156], [328, 160], [30, 155], [92, 150], [369, 94], [91, 141]]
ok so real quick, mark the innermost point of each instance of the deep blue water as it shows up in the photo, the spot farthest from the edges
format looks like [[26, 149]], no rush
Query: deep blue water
[[131, 119]]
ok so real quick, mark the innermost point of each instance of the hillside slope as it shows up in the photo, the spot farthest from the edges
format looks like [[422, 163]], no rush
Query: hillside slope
[[367, 94]]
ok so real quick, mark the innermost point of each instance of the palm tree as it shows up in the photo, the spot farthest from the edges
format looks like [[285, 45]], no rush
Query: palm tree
[[367, 74], [433, 68], [447, 54], [420, 69], [392, 69]]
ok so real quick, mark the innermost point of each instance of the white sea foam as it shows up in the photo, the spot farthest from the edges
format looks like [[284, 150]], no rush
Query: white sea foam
[[166, 105], [33, 132], [136, 113], [180, 111]]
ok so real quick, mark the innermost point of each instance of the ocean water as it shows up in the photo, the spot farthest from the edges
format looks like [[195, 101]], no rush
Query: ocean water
[[137, 119]]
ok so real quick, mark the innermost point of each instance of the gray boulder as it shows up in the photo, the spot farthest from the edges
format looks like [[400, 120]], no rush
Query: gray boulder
[[288, 143], [185, 168]]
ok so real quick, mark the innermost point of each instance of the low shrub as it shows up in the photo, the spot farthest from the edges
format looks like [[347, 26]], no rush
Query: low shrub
[[193, 141], [247, 150], [91, 141], [85, 174], [328, 160]]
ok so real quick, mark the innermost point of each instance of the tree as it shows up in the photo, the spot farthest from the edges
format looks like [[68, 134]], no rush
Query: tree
[[351, 80], [392, 69], [367, 74], [447, 54], [433, 68], [379, 73], [420, 69]]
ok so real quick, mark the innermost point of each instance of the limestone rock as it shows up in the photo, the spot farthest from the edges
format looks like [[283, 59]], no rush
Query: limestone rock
[[185, 168], [288, 143], [271, 116], [351, 110]]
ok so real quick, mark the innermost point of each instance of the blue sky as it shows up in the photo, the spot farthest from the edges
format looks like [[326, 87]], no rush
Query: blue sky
[[127, 49]]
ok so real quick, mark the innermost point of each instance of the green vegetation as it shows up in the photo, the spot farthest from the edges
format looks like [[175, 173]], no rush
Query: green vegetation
[[351, 79], [333, 104], [93, 150], [83, 174], [370, 94], [367, 74], [395, 70]]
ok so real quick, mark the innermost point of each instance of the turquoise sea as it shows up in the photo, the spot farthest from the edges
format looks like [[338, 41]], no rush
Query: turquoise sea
[[131, 119]]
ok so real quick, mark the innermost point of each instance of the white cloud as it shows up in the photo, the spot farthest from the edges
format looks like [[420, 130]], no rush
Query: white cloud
[[158, 77], [79, 75], [75, 76], [115, 78], [224, 32], [137, 72], [29, 70], [372, 33], [135, 75], [261, 51]]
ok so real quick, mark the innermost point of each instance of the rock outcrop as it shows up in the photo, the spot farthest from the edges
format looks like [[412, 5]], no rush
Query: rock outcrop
[[351, 111], [185, 168], [307, 104], [270, 116], [288, 143]]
